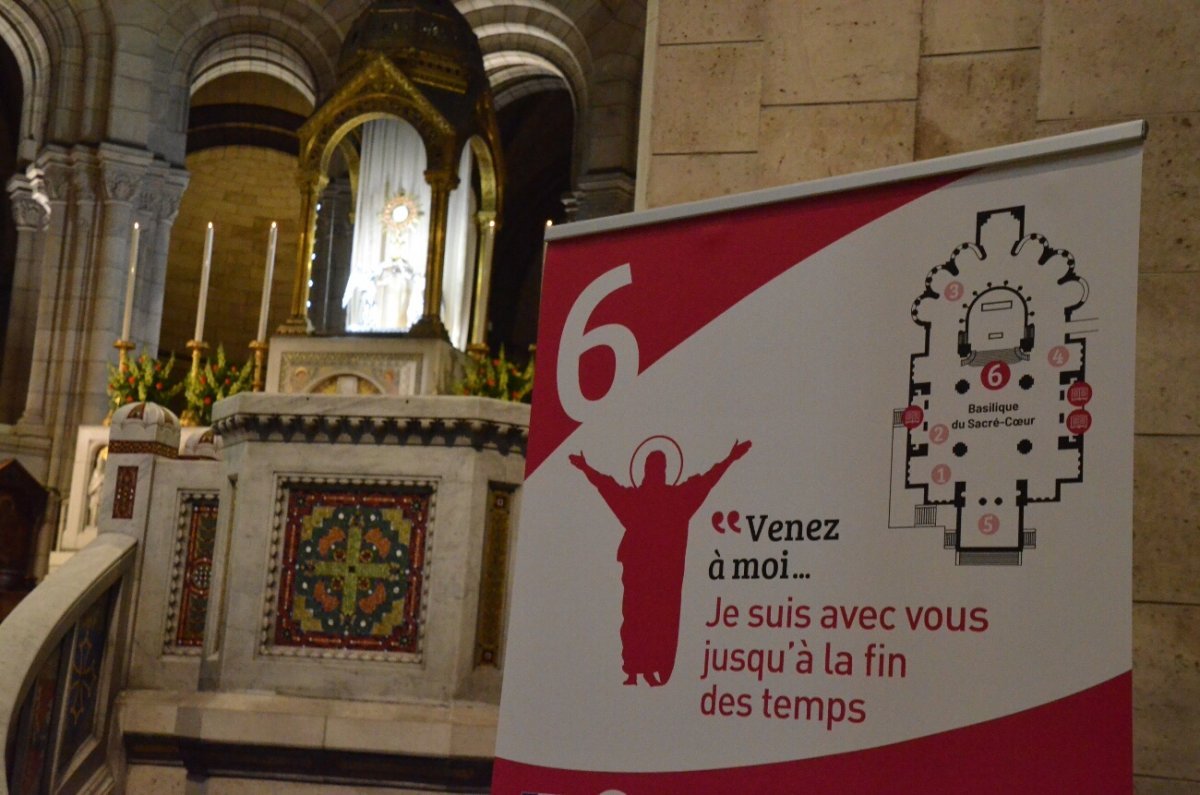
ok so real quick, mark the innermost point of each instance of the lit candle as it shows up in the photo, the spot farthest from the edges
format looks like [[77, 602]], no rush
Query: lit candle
[[127, 321], [204, 271], [265, 308]]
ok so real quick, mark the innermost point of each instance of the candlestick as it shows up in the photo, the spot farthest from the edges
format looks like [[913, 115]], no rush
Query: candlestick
[[259, 347], [265, 308], [127, 321], [205, 269]]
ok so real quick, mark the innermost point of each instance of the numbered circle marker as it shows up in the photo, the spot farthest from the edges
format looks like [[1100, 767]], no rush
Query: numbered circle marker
[[1079, 393], [1078, 422], [995, 375], [912, 417], [954, 291], [939, 433], [941, 474], [1058, 356], [989, 523]]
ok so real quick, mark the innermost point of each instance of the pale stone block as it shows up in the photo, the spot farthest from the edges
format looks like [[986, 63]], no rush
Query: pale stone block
[[810, 142], [854, 51], [684, 178], [1168, 353], [1170, 229], [1144, 785], [1166, 495], [1166, 690], [980, 25], [414, 737], [1113, 57], [976, 101], [695, 21], [155, 780], [706, 98]]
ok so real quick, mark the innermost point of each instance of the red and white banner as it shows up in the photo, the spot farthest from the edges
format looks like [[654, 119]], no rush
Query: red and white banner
[[830, 488]]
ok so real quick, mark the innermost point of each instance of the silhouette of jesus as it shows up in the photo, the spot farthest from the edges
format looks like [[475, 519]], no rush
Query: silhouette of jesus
[[655, 515]]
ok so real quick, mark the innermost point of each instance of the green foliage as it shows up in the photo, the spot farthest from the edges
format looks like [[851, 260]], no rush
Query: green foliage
[[216, 380], [142, 379], [497, 378]]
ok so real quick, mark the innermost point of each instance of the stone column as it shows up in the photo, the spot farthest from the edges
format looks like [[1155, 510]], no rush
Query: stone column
[[600, 194], [311, 185], [442, 183], [157, 207], [54, 168], [30, 212], [486, 221], [121, 174]]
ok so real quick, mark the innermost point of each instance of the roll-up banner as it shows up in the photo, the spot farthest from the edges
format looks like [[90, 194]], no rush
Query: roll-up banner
[[829, 488]]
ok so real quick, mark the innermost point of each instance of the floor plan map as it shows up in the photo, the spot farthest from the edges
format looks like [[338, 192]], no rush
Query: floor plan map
[[997, 399]]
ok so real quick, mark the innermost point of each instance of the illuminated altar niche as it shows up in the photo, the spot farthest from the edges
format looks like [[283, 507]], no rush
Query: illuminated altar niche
[[409, 131], [384, 229]]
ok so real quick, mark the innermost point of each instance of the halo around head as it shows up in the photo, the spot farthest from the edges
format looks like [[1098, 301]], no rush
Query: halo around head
[[663, 444]]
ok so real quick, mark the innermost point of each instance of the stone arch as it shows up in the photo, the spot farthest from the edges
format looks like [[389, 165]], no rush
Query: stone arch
[[24, 39], [254, 52], [300, 39]]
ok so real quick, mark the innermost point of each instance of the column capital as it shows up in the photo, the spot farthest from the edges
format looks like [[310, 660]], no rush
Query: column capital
[[30, 207]]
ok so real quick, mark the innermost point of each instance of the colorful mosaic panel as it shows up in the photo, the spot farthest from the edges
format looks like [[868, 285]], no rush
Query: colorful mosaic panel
[[28, 765], [352, 568], [126, 491], [489, 629], [194, 572], [82, 694]]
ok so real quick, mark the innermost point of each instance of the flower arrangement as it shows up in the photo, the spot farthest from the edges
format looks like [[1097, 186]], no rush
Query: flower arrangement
[[142, 379], [497, 378], [216, 380]]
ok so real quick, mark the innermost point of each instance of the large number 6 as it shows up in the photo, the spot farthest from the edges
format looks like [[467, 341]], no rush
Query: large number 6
[[575, 342]]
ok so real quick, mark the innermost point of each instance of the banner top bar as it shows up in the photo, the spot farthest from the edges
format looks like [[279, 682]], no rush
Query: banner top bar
[[1099, 138]]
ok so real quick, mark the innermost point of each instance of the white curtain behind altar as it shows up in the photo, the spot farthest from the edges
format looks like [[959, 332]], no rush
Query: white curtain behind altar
[[457, 282], [386, 287]]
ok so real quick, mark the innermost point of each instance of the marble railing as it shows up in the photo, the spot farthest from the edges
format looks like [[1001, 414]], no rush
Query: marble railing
[[59, 673]]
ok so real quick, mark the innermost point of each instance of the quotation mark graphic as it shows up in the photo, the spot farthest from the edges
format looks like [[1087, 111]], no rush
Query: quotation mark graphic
[[731, 519]]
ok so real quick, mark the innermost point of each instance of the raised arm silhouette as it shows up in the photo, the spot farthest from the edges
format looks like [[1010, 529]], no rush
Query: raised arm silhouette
[[655, 515]]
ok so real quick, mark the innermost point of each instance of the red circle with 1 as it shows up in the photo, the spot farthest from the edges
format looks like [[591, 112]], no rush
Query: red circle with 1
[[989, 523], [954, 291], [1058, 356], [1078, 422], [1079, 393], [940, 474], [912, 417], [995, 375]]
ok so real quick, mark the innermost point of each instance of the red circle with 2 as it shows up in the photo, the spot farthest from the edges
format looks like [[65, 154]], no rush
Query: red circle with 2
[[995, 375], [939, 433], [954, 291]]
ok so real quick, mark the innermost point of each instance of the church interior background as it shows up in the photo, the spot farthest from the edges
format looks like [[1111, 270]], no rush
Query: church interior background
[[409, 154]]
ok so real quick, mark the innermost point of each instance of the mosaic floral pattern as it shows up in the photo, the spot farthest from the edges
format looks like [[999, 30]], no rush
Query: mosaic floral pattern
[[200, 513], [352, 569], [34, 729], [83, 682]]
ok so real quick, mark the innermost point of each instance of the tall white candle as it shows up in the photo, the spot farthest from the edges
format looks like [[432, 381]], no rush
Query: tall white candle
[[127, 321], [205, 269], [265, 308]]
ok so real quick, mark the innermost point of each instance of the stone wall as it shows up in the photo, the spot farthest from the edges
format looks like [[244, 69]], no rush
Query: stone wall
[[241, 190], [765, 92]]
